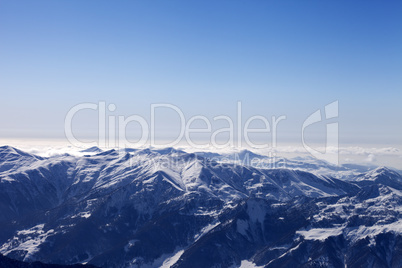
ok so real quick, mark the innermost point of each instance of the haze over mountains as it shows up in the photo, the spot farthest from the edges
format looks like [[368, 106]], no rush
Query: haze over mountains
[[170, 208]]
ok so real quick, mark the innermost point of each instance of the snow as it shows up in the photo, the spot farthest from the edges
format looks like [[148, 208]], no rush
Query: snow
[[206, 229], [164, 261], [248, 264], [7, 179], [85, 215], [27, 241], [379, 172], [171, 183], [320, 233], [172, 260], [130, 244], [138, 176], [363, 231], [353, 233]]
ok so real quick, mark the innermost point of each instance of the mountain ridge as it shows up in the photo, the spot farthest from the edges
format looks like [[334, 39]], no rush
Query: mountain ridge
[[150, 207]]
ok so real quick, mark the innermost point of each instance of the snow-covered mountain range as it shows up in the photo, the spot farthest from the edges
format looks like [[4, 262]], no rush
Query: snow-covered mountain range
[[169, 208]]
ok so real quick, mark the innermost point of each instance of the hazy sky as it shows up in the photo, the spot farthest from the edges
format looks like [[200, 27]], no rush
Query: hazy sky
[[276, 57]]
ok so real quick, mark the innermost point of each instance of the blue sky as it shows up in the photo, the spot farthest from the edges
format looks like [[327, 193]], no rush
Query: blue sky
[[276, 57]]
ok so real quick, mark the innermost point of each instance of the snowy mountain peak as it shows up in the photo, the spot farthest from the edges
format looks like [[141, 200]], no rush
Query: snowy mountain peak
[[12, 158], [94, 149], [380, 172], [108, 152], [247, 153], [384, 170], [5, 150]]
